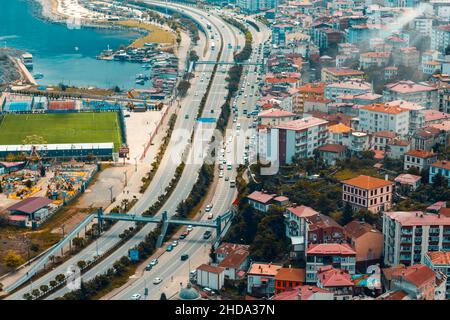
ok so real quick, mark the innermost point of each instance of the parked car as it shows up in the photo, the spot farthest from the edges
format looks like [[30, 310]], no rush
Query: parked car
[[169, 248], [148, 267], [210, 215], [208, 207], [208, 291], [174, 243], [184, 257], [190, 228]]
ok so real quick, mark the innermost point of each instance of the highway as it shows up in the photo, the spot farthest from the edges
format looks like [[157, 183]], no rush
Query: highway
[[183, 128], [173, 272], [202, 136]]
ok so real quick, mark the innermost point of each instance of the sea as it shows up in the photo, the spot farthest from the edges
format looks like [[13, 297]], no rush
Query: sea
[[63, 53]]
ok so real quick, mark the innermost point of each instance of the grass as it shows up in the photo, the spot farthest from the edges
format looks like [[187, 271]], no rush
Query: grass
[[88, 127], [346, 174], [156, 34]]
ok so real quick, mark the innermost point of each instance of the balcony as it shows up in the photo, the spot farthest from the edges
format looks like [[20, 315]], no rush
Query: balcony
[[406, 231]]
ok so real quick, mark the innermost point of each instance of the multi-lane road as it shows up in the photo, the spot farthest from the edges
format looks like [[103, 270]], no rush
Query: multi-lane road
[[169, 268]]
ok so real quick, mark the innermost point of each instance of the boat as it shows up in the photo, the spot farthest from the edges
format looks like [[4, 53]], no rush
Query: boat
[[38, 75], [141, 77], [146, 66], [140, 81]]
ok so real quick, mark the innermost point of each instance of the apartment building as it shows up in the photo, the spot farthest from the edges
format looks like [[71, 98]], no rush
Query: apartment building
[[365, 192], [261, 279], [349, 87], [340, 256], [440, 38], [305, 92], [408, 236], [374, 59], [297, 139], [441, 167], [420, 159], [382, 117], [340, 74], [439, 261], [422, 94]]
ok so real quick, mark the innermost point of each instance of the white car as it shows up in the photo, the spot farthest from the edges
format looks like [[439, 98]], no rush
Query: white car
[[174, 243], [157, 280], [154, 262], [189, 228], [210, 215], [136, 296], [221, 174]]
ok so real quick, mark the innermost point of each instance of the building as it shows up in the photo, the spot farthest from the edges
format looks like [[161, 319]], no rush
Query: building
[[262, 201], [440, 38], [31, 212], [297, 139], [261, 279], [374, 59], [338, 133], [329, 75], [348, 87], [288, 278], [210, 276], [380, 139], [234, 259], [340, 256], [367, 241], [439, 261], [382, 117], [441, 167], [422, 94], [405, 182], [409, 235], [331, 153], [369, 193], [337, 281], [305, 92], [305, 293], [426, 138], [358, 142], [274, 116], [420, 159], [418, 281]]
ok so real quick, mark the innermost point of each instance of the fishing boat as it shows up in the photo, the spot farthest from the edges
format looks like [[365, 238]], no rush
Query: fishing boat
[[141, 77], [146, 66], [140, 81], [38, 76]]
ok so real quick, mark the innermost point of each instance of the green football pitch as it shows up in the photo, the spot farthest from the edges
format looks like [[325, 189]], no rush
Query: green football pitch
[[52, 128]]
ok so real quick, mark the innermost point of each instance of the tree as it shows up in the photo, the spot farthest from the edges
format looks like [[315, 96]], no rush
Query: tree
[[13, 260], [163, 296], [44, 288], [27, 296], [81, 264], [53, 283], [60, 277], [347, 215], [78, 242], [36, 293]]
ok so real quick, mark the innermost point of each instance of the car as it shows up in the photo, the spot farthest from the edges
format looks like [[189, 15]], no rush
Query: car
[[148, 267], [154, 262], [186, 116], [126, 116], [207, 234], [174, 243], [182, 236], [157, 280], [136, 296], [196, 94], [189, 228], [210, 215], [227, 178], [184, 257], [220, 166], [208, 291], [169, 248], [208, 207]]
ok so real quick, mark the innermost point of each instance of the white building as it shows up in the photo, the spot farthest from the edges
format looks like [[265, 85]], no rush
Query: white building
[[440, 38], [349, 87], [297, 138], [210, 276], [382, 117], [420, 93]]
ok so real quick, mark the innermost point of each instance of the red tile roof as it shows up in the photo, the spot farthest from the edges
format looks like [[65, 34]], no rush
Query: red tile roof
[[291, 274], [303, 211], [330, 249], [439, 257], [210, 269], [261, 196], [420, 153], [367, 182], [334, 148], [418, 275], [330, 277]]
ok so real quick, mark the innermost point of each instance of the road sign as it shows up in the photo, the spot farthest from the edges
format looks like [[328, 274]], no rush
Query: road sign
[[124, 151], [133, 254]]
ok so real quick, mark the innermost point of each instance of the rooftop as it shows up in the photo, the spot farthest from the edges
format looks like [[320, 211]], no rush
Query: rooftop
[[356, 229], [420, 153], [384, 108], [439, 257], [301, 124], [303, 211], [210, 269], [334, 148], [330, 249], [406, 178], [261, 197], [367, 182], [291, 274], [30, 205], [264, 269], [417, 218]]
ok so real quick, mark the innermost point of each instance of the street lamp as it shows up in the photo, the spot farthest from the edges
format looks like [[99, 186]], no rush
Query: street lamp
[[135, 164]]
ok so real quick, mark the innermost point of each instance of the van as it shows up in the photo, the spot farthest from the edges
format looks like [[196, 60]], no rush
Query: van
[[208, 291]]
